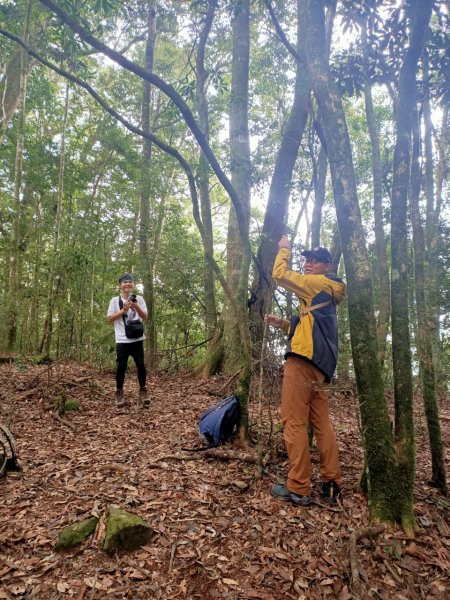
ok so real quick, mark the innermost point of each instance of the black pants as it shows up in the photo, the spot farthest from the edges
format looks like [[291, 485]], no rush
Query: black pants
[[124, 351]]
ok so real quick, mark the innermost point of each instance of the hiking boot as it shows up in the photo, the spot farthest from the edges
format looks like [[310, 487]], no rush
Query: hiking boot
[[330, 491], [120, 401], [281, 491], [143, 397]]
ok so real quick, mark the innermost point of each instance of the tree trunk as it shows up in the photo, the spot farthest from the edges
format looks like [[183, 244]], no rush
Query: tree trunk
[[377, 178], [147, 265], [401, 352], [230, 352], [203, 175], [424, 335], [376, 427], [434, 201], [54, 281], [320, 179], [15, 261], [275, 219]]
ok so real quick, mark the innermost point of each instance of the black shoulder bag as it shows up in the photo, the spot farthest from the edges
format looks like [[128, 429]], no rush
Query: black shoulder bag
[[133, 329]]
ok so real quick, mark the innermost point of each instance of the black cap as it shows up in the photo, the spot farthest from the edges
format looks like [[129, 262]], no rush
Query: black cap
[[126, 277], [319, 253]]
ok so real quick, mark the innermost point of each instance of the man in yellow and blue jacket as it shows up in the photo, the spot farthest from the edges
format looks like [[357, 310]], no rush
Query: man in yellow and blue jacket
[[309, 367]]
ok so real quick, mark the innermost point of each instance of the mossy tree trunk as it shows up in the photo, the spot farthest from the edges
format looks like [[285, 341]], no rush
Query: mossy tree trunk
[[377, 435], [424, 336], [420, 12]]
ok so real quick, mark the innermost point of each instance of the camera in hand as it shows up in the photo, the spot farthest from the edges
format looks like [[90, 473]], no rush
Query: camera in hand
[[133, 298]]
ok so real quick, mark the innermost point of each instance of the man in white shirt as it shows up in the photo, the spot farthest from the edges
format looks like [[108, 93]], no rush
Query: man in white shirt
[[123, 309]]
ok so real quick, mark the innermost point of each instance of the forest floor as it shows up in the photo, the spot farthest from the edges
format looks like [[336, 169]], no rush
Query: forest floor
[[218, 531]]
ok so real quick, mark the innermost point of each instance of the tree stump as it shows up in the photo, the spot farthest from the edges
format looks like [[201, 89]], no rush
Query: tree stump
[[75, 534], [125, 531]]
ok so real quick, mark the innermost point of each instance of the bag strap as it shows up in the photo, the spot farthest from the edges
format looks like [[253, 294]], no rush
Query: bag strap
[[120, 308], [315, 307]]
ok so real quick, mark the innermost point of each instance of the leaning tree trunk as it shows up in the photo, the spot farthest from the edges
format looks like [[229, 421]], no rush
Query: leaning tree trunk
[[203, 175], [377, 435], [401, 352], [280, 189], [144, 250], [424, 334], [377, 177]]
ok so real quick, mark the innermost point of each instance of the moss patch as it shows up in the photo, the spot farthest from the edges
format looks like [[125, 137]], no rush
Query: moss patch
[[125, 531], [75, 534]]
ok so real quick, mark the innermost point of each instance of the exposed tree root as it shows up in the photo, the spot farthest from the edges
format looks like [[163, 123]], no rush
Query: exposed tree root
[[354, 538], [64, 422]]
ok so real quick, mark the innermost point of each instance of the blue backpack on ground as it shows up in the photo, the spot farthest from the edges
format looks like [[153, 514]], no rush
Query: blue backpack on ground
[[218, 424]]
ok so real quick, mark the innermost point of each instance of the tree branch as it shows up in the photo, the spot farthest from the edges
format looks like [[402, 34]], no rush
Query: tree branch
[[176, 99], [159, 143]]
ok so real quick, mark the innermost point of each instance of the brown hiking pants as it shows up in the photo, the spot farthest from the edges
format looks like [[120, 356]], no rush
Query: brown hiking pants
[[305, 397]]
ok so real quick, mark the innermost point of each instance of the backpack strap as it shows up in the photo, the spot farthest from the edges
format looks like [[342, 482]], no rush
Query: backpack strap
[[315, 307]]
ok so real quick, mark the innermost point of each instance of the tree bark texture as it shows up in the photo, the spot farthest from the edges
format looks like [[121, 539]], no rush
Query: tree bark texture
[[55, 278], [433, 287], [146, 258], [424, 335], [203, 173], [401, 352], [238, 262], [377, 178], [320, 167], [230, 351], [376, 427], [275, 218], [15, 259]]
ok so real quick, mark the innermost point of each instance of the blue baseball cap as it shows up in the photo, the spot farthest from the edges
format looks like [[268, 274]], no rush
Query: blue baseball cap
[[126, 277], [319, 253]]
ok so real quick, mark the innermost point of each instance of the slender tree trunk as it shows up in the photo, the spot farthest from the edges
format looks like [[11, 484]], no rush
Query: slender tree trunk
[[15, 261], [401, 352], [320, 179], [433, 287], [146, 263], [377, 178], [376, 427], [54, 281], [424, 335], [33, 313], [203, 174], [230, 351]]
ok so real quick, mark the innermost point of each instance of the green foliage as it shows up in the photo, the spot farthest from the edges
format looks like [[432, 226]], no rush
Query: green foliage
[[63, 405]]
